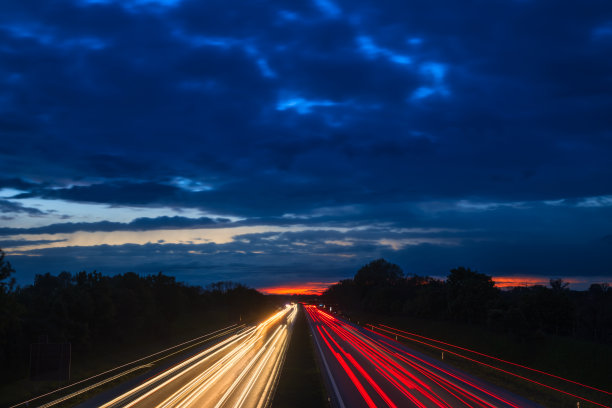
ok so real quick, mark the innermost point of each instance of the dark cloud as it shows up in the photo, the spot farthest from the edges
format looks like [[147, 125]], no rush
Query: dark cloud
[[139, 224], [15, 207], [22, 242], [269, 258], [16, 183], [357, 113], [198, 264], [112, 193], [184, 84]]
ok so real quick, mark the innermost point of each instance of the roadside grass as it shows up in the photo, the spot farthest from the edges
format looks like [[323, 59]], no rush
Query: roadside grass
[[87, 363], [301, 383], [578, 360]]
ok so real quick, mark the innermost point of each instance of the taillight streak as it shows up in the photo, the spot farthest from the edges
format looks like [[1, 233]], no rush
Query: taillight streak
[[471, 384], [349, 372], [403, 380], [490, 366], [363, 372], [378, 359], [497, 359]]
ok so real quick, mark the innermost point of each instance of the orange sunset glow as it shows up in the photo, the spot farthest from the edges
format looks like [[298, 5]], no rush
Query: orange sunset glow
[[502, 282], [516, 281], [302, 288]]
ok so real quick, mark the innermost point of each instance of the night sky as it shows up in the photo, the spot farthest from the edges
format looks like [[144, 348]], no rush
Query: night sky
[[287, 143]]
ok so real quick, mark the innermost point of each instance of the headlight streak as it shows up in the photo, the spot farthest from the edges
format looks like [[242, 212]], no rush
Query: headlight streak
[[228, 365], [278, 361], [252, 359], [255, 376], [196, 387], [218, 347], [244, 372], [420, 382], [194, 342], [74, 394]]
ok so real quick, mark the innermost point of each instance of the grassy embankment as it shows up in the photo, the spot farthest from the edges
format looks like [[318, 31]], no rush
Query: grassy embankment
[[85, 364], [583, 361], [300, 384]]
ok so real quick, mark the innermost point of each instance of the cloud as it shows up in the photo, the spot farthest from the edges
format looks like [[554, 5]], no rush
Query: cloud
[[329, 8], [20, 242], [138, 224], [488, 124], [7, 206], [371, 50], [112, 193], [151, 99]]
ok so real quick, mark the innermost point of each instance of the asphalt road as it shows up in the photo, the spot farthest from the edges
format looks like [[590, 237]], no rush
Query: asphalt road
[[365, 369], [239, 371]]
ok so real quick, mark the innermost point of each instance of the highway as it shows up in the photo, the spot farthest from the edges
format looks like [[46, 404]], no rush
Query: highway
[[239, 371], [366, 369]]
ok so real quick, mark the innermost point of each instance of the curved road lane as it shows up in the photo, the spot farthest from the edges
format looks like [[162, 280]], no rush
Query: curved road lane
[[240, 371], [365, 369]]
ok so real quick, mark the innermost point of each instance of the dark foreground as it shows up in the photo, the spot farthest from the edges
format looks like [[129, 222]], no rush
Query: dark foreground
[[301, 384]]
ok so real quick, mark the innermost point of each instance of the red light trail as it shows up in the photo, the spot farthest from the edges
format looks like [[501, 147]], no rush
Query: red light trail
[[495, 358], [371, 370], [397, 331]]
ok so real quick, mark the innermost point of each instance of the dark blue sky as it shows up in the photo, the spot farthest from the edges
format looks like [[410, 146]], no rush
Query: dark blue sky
[[279, 142]]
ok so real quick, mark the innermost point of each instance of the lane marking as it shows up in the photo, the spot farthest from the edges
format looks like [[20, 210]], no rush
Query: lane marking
[[329, 374]]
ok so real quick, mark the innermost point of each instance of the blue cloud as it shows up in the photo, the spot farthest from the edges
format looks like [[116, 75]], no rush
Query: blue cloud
[[379, 116], [11, 207], [328, 7]]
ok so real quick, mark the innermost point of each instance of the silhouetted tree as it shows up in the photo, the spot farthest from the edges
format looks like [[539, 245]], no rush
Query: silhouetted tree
[[425, 297], [345, 293], [470, 294], [558, 285], [10, 315], [378, 272], [7, 282], [596, 312], [93, 311]]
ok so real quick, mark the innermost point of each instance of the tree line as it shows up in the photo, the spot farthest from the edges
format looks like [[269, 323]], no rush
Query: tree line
[[95, 312], [471, 297]]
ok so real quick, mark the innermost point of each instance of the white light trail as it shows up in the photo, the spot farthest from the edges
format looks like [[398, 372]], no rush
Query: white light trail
[[240, 371]]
